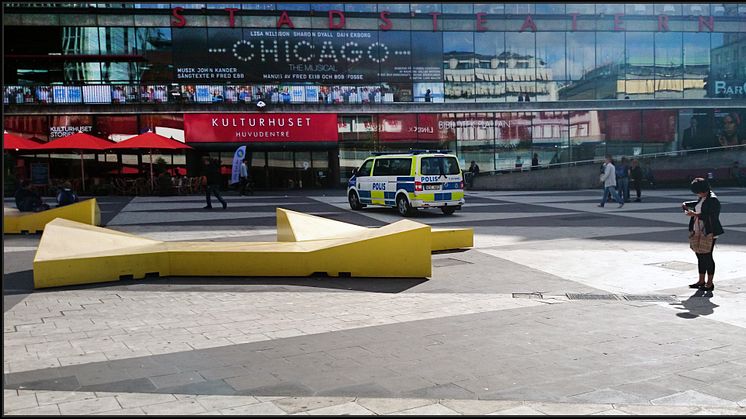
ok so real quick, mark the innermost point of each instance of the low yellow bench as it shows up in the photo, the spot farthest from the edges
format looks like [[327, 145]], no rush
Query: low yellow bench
[[16, 222], [71, 253], [297, 227]]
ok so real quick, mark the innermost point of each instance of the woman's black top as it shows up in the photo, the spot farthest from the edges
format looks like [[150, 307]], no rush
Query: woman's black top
[[710, 214]]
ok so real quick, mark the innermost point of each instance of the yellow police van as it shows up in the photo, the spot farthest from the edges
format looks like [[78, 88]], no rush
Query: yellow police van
[[408, 181]]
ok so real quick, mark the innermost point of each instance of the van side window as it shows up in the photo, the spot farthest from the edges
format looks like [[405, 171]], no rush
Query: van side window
[[392, 167], [364, 170]]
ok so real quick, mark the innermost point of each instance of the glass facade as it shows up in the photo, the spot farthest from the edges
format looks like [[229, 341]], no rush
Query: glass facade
[[338, 54], [459, 52]]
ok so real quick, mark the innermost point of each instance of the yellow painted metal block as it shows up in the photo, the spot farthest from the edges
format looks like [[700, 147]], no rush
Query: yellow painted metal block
[[296, 226], [87, 212], [72, 253], [452, 238]]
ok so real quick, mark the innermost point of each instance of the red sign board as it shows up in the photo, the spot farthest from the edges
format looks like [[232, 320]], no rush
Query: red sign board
[[255, 128]]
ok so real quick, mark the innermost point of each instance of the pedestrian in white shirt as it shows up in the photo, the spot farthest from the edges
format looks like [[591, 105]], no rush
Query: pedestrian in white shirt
[[608, 178]]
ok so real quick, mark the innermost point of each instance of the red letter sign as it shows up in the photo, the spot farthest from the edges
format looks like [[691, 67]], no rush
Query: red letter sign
[[618, 22], [574, 21], [175, 12], [285, 20], [383, 17], [231, 18], [480, 21], [341, 16], [710, 25], [435, 20], [528, 23], [662, 23]]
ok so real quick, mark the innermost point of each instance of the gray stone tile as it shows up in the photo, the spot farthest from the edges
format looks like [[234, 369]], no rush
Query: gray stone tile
[[213, 387], [220, 373], [143, 385], [30, 376], [173, 380], [358, 390], [264, 408], [657, 410], [282, 389], [50, 409], [387, 406], [135, 400], [518, 410], [607, 395], [62, 383], [430, 409], [303, 404], [253, 380], [568, 408], [215, 403], [99, 374], [350, 408], [87, 407], [693, 398], [178, 407], [445, 391], [19, 402], [479, 407]]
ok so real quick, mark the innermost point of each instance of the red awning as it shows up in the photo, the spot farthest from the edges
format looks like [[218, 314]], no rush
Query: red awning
[[78, 142], [14, 142], [151, 141]]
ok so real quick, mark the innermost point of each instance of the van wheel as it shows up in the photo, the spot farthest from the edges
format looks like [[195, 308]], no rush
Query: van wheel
[[448, 210], [402, 206], [355, 201]]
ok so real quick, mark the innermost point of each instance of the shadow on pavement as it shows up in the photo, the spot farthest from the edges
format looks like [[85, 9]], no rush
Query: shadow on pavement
[[697, 305], [250, 284], [21, 282]]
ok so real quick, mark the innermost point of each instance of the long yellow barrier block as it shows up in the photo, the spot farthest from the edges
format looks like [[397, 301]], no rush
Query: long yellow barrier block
[[72, 253], [86, 212], [294, 226]]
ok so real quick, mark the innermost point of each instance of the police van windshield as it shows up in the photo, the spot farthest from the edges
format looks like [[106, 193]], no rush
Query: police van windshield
[[439, 166]]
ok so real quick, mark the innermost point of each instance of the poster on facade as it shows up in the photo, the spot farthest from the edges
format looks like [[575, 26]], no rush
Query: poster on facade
[[306, 56]]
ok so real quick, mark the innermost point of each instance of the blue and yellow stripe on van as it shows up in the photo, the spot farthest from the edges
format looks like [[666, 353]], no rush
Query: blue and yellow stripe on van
[[438, 196]]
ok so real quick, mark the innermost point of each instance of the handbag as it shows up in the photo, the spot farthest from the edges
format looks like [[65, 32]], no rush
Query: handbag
[[700, 242]]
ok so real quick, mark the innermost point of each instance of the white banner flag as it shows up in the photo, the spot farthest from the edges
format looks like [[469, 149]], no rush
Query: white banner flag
[[237, 159]]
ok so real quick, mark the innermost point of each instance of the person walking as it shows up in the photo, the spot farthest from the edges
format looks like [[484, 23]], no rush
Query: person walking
[[535, 161], [243, 177], [608, 178], [622, 179], [212, 172], [635, 175], [704, 220]]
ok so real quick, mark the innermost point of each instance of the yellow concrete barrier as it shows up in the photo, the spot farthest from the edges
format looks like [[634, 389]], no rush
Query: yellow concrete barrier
[[72, 253], [86, 212], [295, 226]]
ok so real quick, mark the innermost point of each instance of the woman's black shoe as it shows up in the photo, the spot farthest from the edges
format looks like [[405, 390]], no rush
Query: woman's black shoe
[[697, 285], [710, 288]]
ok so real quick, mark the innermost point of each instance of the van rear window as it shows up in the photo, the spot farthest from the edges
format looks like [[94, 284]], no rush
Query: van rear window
[[439, 166]]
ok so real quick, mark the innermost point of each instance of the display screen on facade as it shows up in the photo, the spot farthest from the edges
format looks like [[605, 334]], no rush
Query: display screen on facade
[[247, 128], [313, 56]]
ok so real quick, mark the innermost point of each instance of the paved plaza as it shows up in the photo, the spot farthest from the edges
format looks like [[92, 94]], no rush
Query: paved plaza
[[561, 307]]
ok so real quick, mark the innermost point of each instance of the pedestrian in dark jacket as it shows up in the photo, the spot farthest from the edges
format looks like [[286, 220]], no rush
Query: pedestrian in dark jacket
[[212, 172], [66, 195], [635, 177], [705, 218]]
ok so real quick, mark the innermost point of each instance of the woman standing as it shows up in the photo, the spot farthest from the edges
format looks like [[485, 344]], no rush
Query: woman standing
[[705, 219]]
